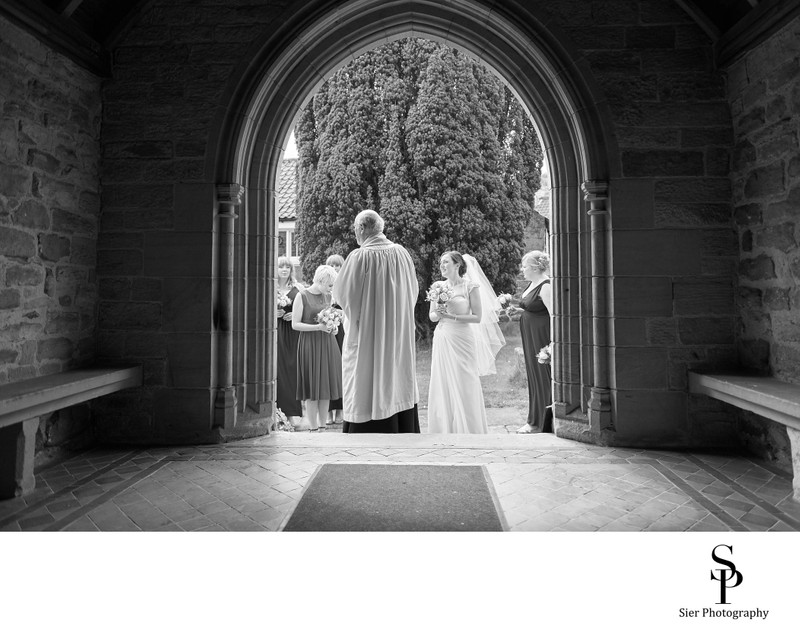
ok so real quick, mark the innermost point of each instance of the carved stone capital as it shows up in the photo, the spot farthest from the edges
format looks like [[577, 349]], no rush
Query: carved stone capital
[[596, 193], [230, 194]]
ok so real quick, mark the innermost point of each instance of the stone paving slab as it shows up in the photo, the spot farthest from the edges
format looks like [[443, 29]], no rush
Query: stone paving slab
[[541, 482]]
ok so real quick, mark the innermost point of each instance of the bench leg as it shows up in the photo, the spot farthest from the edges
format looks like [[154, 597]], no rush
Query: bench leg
[[17, 450], [794, 439]]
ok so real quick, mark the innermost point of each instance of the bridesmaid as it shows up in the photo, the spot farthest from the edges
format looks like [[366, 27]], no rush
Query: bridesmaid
[[288, 288], [319, 361], [537, 305], [335, 413]]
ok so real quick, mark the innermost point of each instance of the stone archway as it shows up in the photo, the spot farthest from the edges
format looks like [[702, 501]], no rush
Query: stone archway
[[548, 78]]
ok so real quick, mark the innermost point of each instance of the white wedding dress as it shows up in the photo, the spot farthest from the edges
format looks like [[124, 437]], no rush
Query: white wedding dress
[[455, 397]]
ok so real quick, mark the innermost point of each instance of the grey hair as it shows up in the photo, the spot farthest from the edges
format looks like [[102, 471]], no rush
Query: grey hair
[[335, 259], [370, 221], [323, 273], [540, 261]]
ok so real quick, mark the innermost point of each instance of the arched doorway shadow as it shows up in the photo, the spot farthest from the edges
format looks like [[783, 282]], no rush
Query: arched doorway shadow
[[550, 80]]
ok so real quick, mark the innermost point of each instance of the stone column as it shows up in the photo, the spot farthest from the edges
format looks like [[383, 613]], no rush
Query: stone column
[[229, 197], [17, 449], [794, 441], [596, 194]]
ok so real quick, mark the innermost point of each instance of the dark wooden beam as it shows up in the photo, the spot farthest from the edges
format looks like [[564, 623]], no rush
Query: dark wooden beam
[[758, 25], [699, 16], [59, 34], [68, 7]]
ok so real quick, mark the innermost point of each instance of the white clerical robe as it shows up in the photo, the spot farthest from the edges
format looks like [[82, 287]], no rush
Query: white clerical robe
[[377, 289]]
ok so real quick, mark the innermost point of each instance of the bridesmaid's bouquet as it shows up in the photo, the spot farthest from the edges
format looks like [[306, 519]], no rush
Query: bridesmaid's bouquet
[[505, 302], [440, 293], [283, 299], [545, 354], [330, 316]]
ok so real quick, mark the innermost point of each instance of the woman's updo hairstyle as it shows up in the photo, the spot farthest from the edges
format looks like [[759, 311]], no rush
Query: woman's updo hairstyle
[[459, 260], [539, 261], [325, 273]]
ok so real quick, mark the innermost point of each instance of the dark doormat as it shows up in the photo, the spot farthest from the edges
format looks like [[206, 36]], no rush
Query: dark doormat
[[396, 498]]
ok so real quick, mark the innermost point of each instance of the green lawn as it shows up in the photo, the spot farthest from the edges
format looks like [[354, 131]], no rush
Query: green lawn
[[507, 388]]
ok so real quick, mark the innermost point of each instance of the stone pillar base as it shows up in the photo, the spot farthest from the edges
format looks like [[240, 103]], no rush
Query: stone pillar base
[[225, 408], [600, 410], [17, 450]]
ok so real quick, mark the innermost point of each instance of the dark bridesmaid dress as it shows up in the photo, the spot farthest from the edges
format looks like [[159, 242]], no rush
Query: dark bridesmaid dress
[[534, 325], [287, 363]]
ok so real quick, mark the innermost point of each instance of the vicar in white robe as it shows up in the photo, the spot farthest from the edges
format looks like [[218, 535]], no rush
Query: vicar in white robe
[[377, 289]]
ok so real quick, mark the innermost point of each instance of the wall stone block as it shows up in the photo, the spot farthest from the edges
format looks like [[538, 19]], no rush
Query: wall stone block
[[58, 348], [747, 241], [705, 330], [25, 275], [744, 153], [9, 298], [122, 262], [669, 214], [71, 223], [695, 190], [786, 209], [62, 323], [780, 237], [703, 296], [115, 288], [712, 136], [747, 214], [753, 119], [44, 162], [15, 181], [17, 243], [32, 214], [765, 181], [761, 267], [662, 163], [662, 331], [84, 251], [786, 361], [53, 247], [750, 298], [138, 149], [59, 193], [129, 316], [148, 290]]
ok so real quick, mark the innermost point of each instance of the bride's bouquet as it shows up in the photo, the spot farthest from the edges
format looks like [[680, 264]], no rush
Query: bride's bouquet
[[331, 317], [440, 293], [545, 354]]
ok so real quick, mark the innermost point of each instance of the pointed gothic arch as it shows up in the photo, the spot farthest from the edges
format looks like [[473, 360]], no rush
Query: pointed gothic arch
[[555, 86]]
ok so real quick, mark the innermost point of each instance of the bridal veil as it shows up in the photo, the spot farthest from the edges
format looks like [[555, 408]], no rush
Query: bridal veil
[[489, 338]]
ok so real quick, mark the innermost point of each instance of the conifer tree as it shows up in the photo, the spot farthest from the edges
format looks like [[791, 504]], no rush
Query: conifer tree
[[431, 140]]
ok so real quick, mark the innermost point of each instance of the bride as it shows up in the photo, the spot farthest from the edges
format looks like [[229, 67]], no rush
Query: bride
[[465, 344]]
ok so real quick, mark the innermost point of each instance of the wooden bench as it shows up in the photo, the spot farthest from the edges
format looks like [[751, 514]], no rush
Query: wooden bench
[[23, 402], [762, 395]]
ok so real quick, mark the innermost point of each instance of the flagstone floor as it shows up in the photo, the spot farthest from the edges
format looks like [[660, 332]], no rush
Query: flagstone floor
[[541, 483]]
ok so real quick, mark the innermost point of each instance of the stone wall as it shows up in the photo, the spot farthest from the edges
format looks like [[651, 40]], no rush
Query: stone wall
[[673, 248], [50, 115], [764, 92]]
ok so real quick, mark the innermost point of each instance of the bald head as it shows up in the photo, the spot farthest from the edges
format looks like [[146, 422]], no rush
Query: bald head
[[367, 223]]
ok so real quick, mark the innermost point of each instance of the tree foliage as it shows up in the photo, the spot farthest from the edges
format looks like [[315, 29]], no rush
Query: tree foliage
[[431, 140]]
